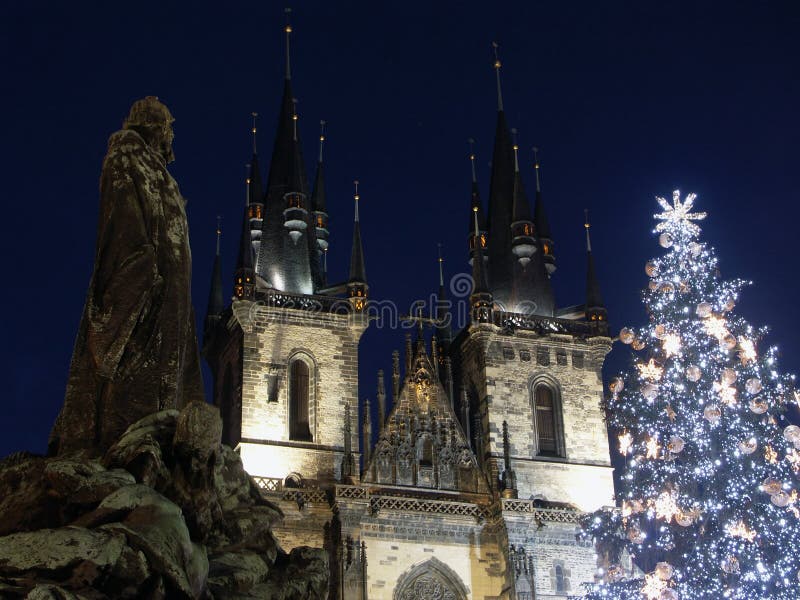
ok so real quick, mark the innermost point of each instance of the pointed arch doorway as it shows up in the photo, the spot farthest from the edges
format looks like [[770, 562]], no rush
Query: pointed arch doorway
[[431, 580]]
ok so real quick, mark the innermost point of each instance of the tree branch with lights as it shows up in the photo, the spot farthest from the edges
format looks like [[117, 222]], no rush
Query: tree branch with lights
[[708, 494]]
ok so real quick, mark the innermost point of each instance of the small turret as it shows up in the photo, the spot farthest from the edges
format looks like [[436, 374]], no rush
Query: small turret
[[255, 200], [540, 222], [357, 287], [216, 302], [481, 298], [595, 308], [444, 331], [523, 245], [295, 212], [244, 286], [318, 205], [475, 205]]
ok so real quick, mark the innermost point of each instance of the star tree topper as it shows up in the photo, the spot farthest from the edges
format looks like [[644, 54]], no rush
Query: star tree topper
[[677, 215]]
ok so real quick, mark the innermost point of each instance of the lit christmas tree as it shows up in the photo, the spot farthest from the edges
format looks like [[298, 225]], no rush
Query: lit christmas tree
[[709, 501]]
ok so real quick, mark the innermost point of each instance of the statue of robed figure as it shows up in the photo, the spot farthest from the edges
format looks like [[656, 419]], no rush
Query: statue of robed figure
[[136, 351]]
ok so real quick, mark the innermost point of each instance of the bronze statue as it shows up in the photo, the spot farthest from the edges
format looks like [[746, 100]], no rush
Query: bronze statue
[[136, 351]]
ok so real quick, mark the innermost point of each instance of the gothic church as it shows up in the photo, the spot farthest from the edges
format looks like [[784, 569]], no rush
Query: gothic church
[[491, 441]]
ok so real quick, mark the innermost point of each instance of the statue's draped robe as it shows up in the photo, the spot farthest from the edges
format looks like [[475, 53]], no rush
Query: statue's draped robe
[[136, 350]]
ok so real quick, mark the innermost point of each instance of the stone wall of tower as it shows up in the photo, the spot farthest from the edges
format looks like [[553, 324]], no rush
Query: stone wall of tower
[[271, 338], [500, 369]]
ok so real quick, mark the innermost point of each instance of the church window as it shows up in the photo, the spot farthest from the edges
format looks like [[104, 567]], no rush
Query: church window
[[561, 358], [508, 353], [525, 355], [548, 423], [543, 356], [299, 401], [560, 581], [426, 452]]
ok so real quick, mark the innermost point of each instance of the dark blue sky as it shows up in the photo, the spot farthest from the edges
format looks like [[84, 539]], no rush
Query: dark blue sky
[[625, 99]]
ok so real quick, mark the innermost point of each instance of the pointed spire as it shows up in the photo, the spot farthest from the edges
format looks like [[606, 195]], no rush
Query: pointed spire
[[288, 30], [348, 460], [255, 116], [447, 381], [508, 477], [244, 278], [357, 284], [501, 193], [465, 420], [540, 221], [395, 377], [444, 330], [318, 204], [595, 308], [497, 65], [357, 269], [381, 401], [216, 302], [475, 201], [367, 434], [524, 292], [409, 358], [481, 298]]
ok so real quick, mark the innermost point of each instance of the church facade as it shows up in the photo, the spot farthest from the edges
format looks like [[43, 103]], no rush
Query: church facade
[[467, 477]]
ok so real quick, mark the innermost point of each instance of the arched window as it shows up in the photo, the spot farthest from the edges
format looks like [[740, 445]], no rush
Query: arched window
[[299, 401], [561, 584], [548, 423], [425, 455]]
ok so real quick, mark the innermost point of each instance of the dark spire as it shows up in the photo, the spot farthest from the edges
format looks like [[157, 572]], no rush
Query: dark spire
[[481, 298], [288, 30], [348, 460], [395, 377], [318, 195], [367, 433], [244, 278], [357, 283], [444, 330], [381, 400], [409, 359], [475, 195], [540, 222], [595, 308], [293, 264], [523, 245], [501, 192], [465, 420], [216, 301], [319, 207], [256, 193]]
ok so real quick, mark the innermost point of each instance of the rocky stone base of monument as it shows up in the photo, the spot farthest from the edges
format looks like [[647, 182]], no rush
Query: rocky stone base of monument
[[168, 512]]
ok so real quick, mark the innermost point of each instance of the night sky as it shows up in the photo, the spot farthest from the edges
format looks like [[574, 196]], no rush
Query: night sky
[[625, 100]]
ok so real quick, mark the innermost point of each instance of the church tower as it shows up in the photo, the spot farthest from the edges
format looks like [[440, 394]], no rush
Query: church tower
[[530, 375], [284, 354]]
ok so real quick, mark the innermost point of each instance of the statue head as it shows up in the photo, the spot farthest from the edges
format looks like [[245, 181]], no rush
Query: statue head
[[151, 119]]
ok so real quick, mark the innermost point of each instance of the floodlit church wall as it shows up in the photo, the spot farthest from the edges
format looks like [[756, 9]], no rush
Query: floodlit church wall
[[398, 543], [328, 343]]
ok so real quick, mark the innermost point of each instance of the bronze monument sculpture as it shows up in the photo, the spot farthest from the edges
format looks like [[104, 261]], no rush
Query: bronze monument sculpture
[[136, 351]]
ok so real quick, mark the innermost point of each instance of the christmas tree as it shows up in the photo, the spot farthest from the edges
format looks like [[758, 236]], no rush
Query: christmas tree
[[708, 494]]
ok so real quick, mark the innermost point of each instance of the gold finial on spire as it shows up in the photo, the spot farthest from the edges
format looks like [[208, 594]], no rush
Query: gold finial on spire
[[356, 197], [472, 159], [441, 266], [219, 231], [497, 65], [536, 167], [288, 30], [255, 114], [586, 225], [321, 138], [516, 150]]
